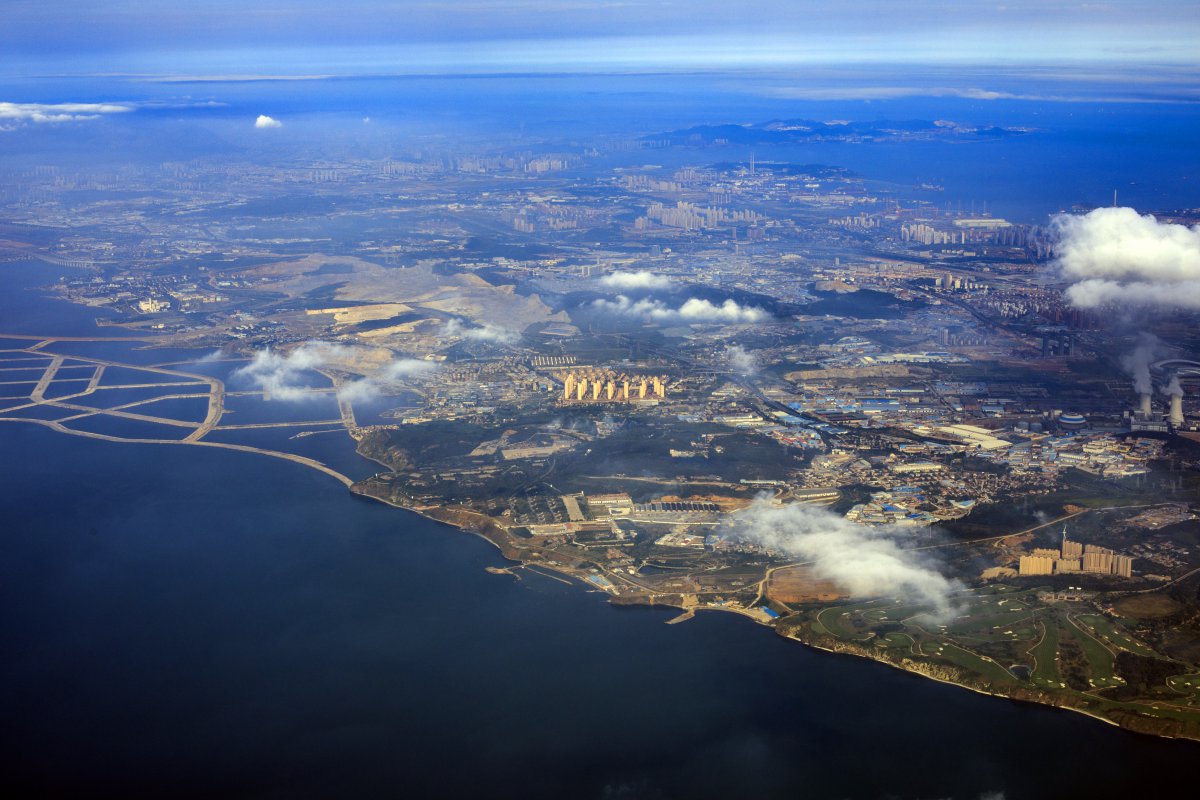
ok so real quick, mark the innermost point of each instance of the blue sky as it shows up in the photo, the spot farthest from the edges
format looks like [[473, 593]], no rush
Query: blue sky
[[356, 36]]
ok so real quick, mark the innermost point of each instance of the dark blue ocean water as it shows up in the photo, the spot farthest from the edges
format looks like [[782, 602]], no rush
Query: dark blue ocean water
[[189, 622]]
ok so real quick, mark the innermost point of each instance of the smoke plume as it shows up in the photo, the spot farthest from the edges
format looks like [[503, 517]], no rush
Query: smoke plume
[[1173, 389], [1137, 363], [865, 561], [1116, 255], [741, 360], [635, 280], [693, 310]]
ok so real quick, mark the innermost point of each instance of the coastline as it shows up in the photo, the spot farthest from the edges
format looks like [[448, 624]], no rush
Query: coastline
[[689, 612], [461, 520]]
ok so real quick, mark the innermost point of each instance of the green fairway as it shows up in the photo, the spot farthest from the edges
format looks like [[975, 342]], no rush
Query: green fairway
[[1099, 658], [1114, 635], [989, 670], [1045, 652], [1186, 684], [986, 623], [839, 621], [901, 641]]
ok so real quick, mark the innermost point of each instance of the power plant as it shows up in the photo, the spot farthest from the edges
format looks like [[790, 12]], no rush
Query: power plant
[[1168, 375], [608, 386]]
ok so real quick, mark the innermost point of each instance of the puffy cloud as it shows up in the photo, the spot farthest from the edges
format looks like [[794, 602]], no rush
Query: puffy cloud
[[635, 280], [281, 376], [741, 360], [482, 333], [12, 114], [693, 310], [865, 561], [372, 386], [1115, 255], [264, 121]]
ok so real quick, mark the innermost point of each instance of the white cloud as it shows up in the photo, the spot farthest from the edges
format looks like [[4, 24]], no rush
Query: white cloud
[[483, 333], [1113, 255], [635, 280], [43, 113], [372, 386], [863, 560], [281, 376], [693, 310], [264, 121]]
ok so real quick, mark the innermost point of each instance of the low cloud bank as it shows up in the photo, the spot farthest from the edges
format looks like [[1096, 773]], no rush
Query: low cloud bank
[[865, 561], [1115, 255], [486, 332], [372, 386], [281, 377], [635, 280], [693, 310], [13, 114]]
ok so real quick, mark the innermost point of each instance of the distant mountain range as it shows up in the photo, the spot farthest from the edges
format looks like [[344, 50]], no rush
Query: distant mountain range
[[788, 131]]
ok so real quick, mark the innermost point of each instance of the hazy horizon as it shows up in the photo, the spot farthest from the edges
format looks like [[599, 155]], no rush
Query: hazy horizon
[[306, 37]]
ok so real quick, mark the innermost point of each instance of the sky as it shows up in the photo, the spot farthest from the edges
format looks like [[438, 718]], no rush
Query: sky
[[297, 37]]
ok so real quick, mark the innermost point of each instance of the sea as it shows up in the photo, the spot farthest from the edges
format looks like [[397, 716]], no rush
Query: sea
[[193, 622]]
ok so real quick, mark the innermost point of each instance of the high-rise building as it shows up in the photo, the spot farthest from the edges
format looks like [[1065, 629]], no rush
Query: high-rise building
[[1098, 560], [1071, 549], [1036, 565]]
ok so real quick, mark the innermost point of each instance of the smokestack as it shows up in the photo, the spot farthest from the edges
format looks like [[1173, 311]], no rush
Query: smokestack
[[1144, 408], [1176, 415]]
